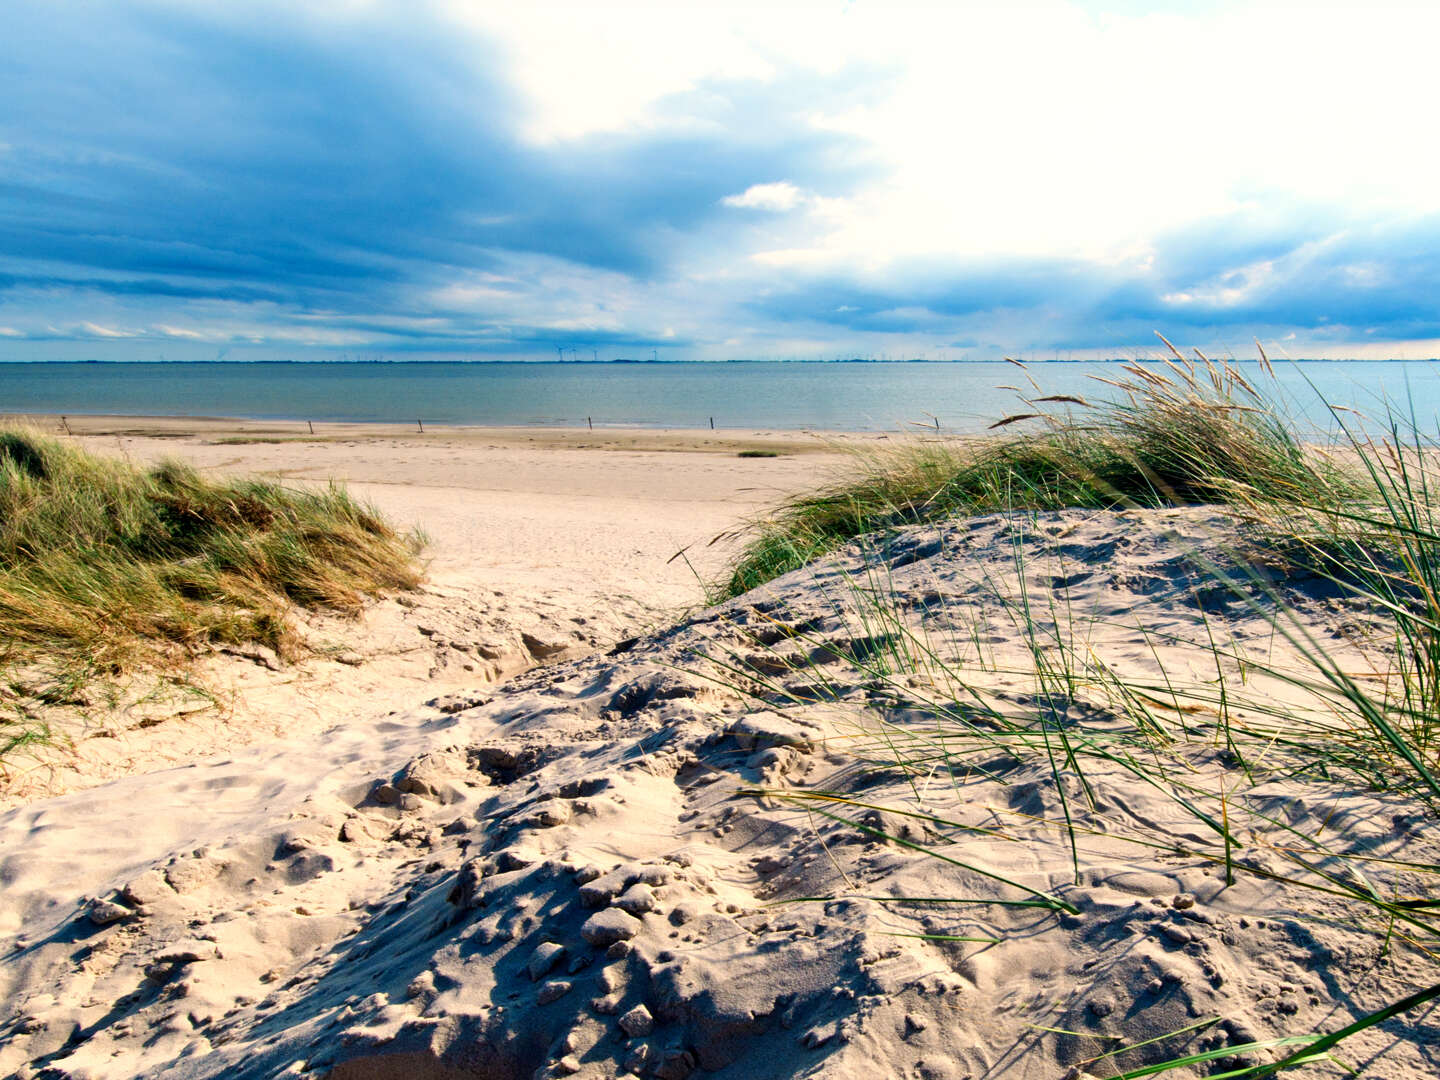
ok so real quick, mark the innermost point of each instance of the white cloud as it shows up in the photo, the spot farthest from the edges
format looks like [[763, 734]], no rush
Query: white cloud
[[179, 332], [331, 337], [1234, 287], [1045, 128], [778, 197], [811, 258], [10, 331], [473, 297], [106, 331], [589, 324], [1364, 275], [588, 67]]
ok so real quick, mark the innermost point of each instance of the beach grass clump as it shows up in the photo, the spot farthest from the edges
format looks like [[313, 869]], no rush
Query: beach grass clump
[[106, 567], [1192, 433], [1383, 552]]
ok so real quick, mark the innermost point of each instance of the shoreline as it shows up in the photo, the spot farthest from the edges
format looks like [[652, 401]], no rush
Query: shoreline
[[601, 437]]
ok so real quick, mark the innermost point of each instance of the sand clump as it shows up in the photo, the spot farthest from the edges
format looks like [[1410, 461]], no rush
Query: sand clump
[[617, 865]]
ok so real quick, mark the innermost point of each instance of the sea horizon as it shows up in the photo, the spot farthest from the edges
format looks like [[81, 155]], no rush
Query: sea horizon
[[960, 397]]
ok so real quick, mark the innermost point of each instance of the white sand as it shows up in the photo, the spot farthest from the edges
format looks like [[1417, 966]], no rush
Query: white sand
[[571, 873]]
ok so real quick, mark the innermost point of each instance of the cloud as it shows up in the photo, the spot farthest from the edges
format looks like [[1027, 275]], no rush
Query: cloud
[[449, 178], [347, 161], [1378, 280], [778, 197], [180, 332], [107, 331]]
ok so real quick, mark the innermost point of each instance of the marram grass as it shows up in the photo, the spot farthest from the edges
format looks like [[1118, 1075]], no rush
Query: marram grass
[[937, 712], [106, 568], [1195, 433]]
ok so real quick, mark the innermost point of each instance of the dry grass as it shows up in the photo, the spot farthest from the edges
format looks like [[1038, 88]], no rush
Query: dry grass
[[106, 568]]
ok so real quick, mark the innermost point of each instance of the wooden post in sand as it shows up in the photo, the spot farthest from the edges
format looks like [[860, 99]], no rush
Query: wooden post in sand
[[712, 423], [311, 425], [590, 422], [65, 424], [422, 426]]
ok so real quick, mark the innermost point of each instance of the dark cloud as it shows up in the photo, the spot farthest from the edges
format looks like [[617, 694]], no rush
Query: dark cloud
[[139, 287], [1237, 273], [337, 164]]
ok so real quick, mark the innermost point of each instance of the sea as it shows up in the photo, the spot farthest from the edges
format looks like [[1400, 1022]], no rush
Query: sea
[[959, 397]]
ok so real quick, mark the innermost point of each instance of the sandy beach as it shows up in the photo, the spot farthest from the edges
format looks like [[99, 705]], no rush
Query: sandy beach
[[542, 544], [551, 816]]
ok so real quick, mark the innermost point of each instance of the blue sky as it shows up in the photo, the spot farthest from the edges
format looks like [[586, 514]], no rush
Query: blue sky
[[715, 181]]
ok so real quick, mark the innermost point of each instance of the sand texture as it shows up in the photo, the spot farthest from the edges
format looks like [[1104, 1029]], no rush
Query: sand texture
[[621, 864]]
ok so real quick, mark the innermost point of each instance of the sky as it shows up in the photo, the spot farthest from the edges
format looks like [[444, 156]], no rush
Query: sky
[[716, 181]]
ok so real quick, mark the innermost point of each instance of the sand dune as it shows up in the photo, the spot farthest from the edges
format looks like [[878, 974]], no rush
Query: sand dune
[[811, 832]]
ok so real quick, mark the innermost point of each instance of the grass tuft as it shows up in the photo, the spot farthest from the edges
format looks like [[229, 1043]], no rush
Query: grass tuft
[[106, 568], [1194, 433]]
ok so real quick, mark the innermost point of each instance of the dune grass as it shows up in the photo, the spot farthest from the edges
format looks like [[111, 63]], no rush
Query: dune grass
[[1196, 433], [106, 568], [1363, 717]]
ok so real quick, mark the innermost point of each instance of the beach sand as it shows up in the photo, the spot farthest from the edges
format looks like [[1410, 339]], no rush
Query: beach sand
[[790, 835], [542, 544]]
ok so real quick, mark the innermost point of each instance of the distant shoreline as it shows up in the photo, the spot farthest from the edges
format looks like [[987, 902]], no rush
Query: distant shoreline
[[240, 430]]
